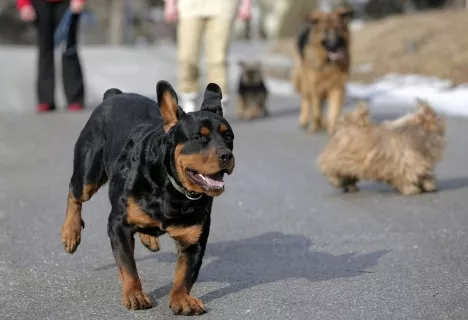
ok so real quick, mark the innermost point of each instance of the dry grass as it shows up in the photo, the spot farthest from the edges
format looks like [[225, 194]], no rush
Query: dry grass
[[431, 43]]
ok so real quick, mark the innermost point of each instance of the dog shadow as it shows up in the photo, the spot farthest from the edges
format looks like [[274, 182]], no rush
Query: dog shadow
[[269, 258], [443, 185]]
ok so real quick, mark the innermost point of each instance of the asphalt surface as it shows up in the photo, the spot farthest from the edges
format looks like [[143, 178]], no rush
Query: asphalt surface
[[283, 243]]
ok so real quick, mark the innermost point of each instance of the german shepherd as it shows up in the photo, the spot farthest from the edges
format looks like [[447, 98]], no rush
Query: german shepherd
[[322, 66]]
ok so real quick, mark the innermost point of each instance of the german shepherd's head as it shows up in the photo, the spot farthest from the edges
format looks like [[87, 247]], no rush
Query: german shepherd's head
[[330, 34]]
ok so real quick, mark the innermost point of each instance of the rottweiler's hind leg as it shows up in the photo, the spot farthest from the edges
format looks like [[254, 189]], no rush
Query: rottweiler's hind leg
[[88, 176]]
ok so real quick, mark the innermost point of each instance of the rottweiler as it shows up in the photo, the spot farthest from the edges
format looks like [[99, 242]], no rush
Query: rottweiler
[[164, 168], [252, 91], [322, 66]]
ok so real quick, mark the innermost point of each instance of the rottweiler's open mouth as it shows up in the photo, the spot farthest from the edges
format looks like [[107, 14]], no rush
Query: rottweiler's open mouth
[[209, 182]]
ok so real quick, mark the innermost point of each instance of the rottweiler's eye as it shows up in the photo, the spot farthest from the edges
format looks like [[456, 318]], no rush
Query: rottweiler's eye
[[228, 136], [200, 138]]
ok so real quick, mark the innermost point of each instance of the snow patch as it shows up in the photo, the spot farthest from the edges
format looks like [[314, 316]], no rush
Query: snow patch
[[398, 89]]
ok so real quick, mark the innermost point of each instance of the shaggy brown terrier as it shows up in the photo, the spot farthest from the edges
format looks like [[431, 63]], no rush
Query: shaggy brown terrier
[[252, 91], [401, 153], [322, 67]]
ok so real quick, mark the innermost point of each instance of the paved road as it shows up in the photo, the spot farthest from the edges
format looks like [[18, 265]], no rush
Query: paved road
[[283, 245]]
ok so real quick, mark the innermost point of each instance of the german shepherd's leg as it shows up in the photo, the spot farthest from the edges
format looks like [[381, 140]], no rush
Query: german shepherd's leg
[[88, 176], [304, 113], [123, 245], [296, 79], [316, 114], [305, 99], [191, 242], [335, 103], [241, 107]]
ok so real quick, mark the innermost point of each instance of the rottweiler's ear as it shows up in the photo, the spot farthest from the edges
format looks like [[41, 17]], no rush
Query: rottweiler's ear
[[212, 99], [168, 104], [110, 93]]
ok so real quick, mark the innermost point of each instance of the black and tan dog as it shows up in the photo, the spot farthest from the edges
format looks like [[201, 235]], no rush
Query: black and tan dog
[[322, 67], [164, 167], [252, 91]]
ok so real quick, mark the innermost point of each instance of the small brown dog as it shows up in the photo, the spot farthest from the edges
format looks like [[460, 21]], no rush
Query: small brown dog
[[322, 67], [401, 152], [252, 92]]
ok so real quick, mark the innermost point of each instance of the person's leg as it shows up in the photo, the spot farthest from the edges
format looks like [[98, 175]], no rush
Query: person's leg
[[45, 69], [218, 36], [189, 36], [71, 68]]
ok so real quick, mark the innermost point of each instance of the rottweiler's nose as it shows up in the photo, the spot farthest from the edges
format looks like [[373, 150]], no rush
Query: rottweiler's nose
[[225, 156]]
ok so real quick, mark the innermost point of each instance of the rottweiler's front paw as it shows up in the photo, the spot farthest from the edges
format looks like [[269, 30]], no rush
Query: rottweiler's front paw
[[136, 300], [186, 305]]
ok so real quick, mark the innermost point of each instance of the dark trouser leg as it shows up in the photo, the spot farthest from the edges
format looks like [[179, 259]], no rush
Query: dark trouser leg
[[45, 35], [71, 67]]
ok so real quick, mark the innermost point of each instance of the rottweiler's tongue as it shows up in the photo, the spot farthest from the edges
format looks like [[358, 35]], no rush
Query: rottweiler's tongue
[[213, 180]]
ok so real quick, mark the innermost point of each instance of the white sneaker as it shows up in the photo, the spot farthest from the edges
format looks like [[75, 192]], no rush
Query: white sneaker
[[188, 102]]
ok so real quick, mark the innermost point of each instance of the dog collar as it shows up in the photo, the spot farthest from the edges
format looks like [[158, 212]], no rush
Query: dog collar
[[189, 194]]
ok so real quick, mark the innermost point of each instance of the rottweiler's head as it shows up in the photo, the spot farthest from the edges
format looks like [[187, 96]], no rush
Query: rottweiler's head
[[202, 141], [330, 32]]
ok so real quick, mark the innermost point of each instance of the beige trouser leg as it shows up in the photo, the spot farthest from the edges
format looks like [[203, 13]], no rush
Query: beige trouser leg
[[218, 37], [189, 36]]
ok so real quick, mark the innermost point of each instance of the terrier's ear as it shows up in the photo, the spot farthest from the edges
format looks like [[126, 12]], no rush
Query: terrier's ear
[[422, 103]]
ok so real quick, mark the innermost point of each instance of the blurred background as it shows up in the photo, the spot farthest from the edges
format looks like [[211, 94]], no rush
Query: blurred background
[[134, 22], [421, 36]]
